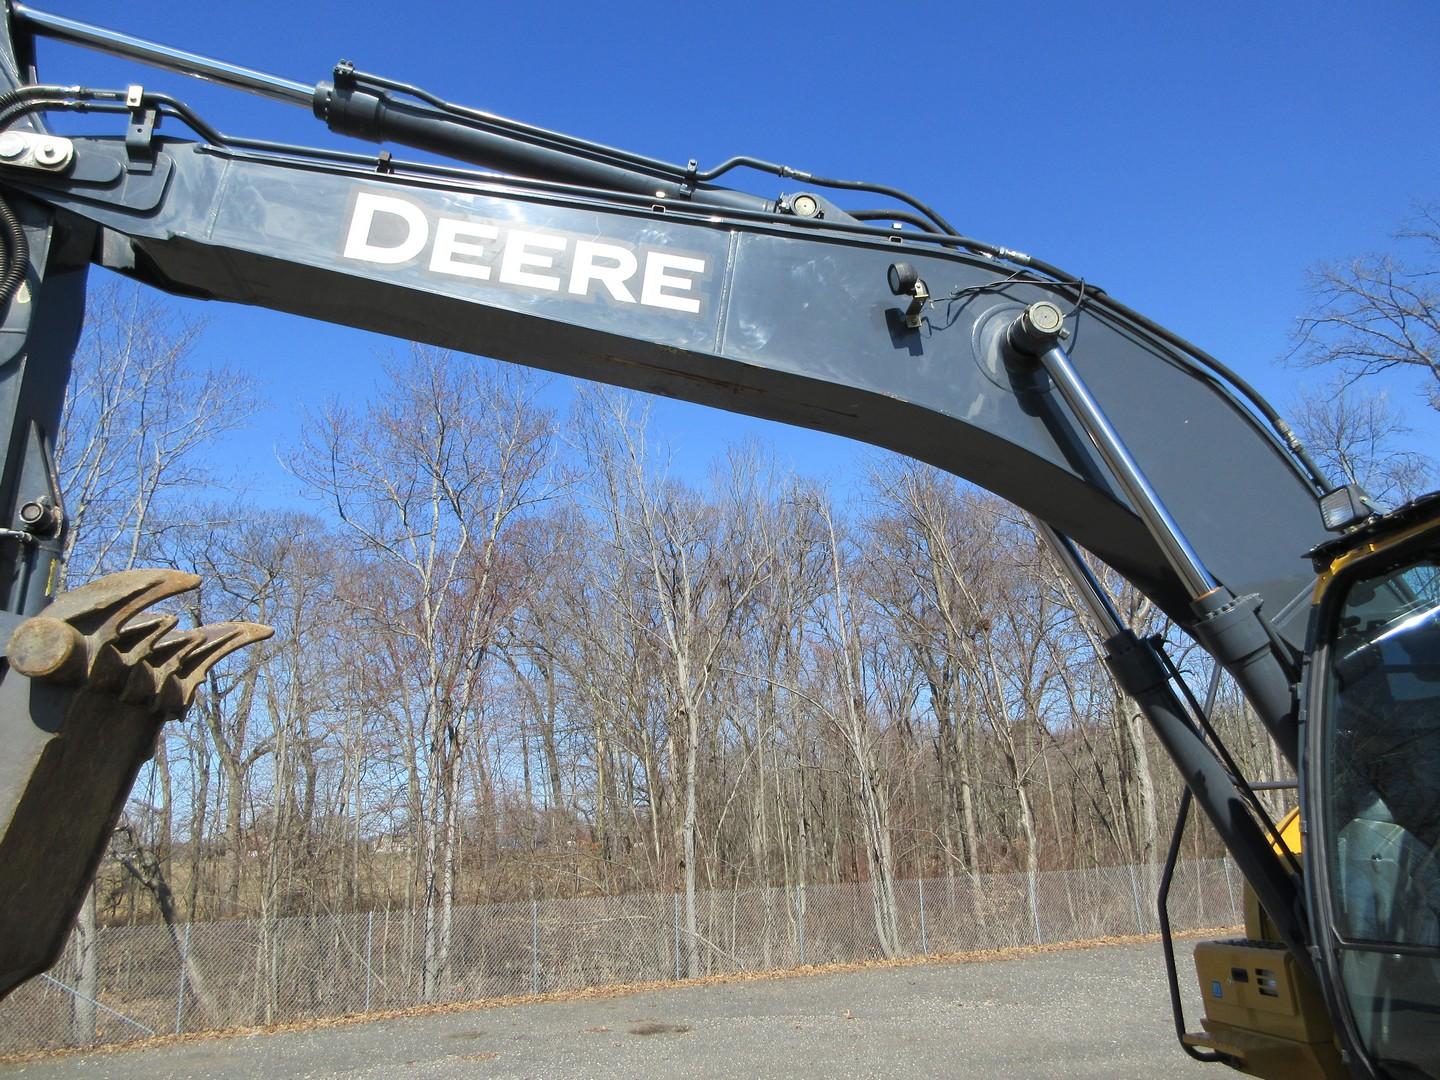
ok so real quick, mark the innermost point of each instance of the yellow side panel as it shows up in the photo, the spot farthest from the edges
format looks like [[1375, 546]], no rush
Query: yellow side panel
[[1260, 1013]]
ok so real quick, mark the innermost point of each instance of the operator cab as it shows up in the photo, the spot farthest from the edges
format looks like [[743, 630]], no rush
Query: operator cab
[[1370, 784]]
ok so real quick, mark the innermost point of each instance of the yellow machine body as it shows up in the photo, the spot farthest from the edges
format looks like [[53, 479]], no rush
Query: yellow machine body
[[1259, 1013]]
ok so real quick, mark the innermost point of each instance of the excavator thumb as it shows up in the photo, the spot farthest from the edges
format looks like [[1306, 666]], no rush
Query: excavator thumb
[[89, 683]]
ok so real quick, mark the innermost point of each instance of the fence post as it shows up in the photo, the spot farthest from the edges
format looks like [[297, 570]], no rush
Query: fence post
[[1135, 896], [1199, 894], [534, 946], [1230, 889], [800, 919], [924, 941], [180, 989], [677, 936], [369, 953]]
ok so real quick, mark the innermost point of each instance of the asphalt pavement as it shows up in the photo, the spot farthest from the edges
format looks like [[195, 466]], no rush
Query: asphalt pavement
[[1099, 1012]]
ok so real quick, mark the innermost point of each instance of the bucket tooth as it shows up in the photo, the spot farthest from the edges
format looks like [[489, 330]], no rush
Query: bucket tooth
[[131, 645], [142, 688], [220, 640]]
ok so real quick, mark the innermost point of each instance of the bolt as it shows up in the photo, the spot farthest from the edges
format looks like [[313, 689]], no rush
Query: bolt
[[805, 206], [12, 145], [1036, 329], [40, 516], [51, 152]]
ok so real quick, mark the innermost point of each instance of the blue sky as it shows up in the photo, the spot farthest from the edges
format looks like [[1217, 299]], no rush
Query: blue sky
[[1193, 160]]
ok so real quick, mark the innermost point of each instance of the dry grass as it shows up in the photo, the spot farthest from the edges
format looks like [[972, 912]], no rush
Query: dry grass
[[980, 956]]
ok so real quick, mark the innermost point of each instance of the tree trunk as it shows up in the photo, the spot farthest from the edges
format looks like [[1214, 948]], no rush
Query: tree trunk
[[87, 974]]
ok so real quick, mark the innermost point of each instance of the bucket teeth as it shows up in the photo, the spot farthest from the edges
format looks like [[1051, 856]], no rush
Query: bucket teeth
[[62, 643], [96, 637], [177, 663], [89, 684]]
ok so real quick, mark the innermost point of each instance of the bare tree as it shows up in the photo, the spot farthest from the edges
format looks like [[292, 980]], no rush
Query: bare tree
[[702, 563], [1380, 312], [428, 483], [852, 717], [138, 410], [1357, 435], [921, 564]]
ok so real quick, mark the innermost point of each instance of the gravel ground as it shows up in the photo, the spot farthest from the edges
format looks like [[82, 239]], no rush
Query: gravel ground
[[1098, 1012]]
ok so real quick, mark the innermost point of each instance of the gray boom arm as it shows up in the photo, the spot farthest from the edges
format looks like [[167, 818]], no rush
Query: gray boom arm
[[788, 322]]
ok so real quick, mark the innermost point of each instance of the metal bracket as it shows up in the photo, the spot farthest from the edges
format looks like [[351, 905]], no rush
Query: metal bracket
[[687, 186], [140, 135], [904, 281]]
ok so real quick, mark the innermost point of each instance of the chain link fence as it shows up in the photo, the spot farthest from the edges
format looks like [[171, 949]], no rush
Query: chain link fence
[[203, 976]]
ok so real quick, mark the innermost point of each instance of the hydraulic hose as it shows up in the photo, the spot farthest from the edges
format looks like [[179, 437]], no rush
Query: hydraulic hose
[[16, 255]]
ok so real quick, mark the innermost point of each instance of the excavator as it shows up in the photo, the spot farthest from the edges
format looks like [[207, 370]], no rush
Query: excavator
[[807, 305]]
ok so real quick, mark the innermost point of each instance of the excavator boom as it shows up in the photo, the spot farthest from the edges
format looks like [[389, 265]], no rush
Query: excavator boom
[[551, 251]]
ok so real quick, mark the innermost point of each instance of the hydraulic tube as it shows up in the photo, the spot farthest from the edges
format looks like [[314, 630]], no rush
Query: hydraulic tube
[[1231, 628], [378, 117]]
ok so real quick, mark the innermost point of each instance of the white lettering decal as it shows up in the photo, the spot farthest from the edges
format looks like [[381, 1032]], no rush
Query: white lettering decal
[[652, 291], [391, 230], [358, 244], [524, 252], [609, 264], [455, 237]]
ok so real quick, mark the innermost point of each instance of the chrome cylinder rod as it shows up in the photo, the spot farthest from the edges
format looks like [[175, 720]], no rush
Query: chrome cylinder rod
[[1035, 334], [162, 56], [1102, 608], [1127, 472]]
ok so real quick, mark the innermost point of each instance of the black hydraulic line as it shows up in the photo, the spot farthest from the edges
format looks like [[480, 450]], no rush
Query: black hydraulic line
[[29, 93], [785, 172], [25, 99], [890, 215], [1167, 939], [16, 255], [889, 192]]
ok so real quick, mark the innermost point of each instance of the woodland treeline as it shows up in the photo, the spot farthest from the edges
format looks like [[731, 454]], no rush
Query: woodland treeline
[[515, 656]]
